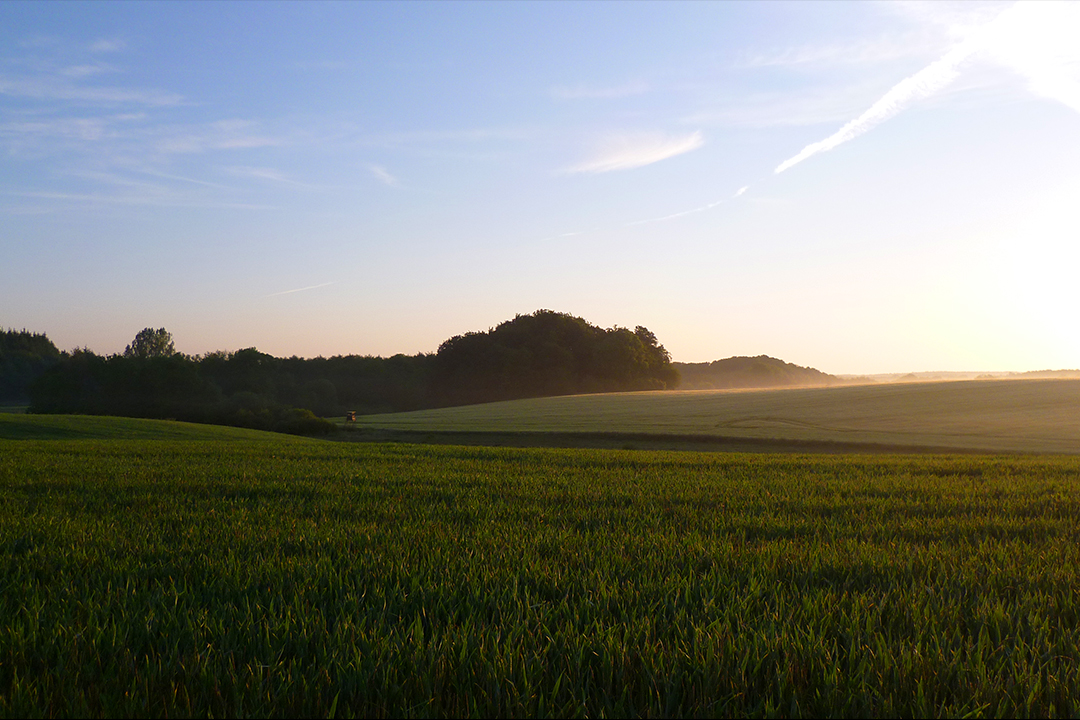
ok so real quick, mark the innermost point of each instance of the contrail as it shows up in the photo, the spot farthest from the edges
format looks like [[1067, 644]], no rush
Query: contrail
[[922, 84], [926, 82], [309, 287], [711, 205]]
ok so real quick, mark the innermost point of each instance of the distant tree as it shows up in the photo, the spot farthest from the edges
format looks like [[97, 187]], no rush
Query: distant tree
[[24, 356], [149, 343]]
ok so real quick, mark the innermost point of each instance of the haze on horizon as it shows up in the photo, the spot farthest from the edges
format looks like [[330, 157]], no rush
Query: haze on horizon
[[857, 187]]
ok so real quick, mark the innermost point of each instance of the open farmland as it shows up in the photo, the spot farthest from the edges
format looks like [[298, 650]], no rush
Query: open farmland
[[281, 576], [89, 427], [1026, 416]]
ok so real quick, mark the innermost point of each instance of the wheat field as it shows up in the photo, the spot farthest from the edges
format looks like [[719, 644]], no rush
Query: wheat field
[[1025, 416]]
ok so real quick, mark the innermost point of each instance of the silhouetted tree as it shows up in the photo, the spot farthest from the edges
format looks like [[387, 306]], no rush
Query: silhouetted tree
[[548, 353], [151, 343], [24, 356]]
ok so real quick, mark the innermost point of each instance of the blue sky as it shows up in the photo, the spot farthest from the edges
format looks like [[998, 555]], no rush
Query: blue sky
[[372, 178]]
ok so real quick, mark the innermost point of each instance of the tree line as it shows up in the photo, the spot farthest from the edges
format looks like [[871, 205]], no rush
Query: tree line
[[24, 356], [543, 353]]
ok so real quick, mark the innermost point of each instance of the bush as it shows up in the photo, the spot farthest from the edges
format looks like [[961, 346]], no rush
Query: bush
[[297, 421]]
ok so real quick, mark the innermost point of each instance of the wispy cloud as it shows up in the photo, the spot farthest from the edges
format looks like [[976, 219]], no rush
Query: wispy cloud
[[272, 175], [296, 290], [220, 135], [107, 145], [86, 70], [105, 45], [127, 138], [89, 129], [383, 176], [813, 106], [580, 92], [259, 173], [133, 199], [61, 88], [956, 19], [425, 137], [625, 152], [180, 178], [858, 53]]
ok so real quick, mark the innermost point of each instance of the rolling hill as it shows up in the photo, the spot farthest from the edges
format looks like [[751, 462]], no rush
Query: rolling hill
[[1025, 416], [748, 372]]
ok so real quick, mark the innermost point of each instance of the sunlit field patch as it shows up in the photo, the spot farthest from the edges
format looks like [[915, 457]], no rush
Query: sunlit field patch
[[312, 578], [1002, 416]]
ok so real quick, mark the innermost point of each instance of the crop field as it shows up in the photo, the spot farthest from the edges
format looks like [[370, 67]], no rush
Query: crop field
[[283, 577], [87, 427], [1000, 416]]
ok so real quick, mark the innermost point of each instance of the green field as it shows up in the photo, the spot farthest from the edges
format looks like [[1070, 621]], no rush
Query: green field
[[1002, 416], [280, 576], [88, 427]]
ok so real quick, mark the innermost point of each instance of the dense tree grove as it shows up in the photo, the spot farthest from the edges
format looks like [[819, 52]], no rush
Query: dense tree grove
[[545, 353], [23, 357], [548, 353]]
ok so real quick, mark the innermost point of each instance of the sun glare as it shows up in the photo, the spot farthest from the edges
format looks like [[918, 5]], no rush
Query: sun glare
[[1036, 275], [1040, 40]]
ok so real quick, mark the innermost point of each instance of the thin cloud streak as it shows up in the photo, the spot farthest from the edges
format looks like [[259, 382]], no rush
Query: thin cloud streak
[[220, 135], [259, 173], [633, 151], [181, 178], [150, 200], [419, 137], [583, 92], [926, 82], [79, 71], [769, 110], [861, 53], [107, 46], [383, 176], [41, 89], [684, 213], [273, 176], [309, 287]]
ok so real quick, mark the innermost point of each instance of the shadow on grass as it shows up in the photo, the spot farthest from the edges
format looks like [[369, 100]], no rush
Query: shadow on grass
[[635, 441]]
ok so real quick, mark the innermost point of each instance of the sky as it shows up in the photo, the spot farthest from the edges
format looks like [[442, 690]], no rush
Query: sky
[[858, 187]]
